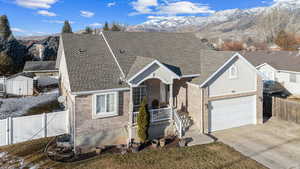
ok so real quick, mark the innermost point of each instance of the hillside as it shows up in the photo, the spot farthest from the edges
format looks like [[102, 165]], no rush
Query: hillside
[[258, 23]]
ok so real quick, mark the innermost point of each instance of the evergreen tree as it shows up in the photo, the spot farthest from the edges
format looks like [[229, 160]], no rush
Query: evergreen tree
[[6, 64], [67, 28], [143, 122], [115, 27], [5, 31], [88, 30], [106, 27]]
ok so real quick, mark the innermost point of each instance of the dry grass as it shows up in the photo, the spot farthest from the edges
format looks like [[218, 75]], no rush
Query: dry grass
[[43, 108], [215, 155]]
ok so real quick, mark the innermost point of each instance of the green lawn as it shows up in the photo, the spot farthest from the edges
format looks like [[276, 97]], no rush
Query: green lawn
[[215, 155]]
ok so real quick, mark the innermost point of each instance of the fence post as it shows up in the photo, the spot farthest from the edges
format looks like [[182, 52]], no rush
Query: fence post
[[9, 131], [45, 124]]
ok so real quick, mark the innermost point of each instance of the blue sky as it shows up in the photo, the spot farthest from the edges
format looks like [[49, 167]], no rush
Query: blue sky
[[37, 17]]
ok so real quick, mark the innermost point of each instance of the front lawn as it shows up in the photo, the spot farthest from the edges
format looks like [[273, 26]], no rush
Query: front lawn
[[214, 155]]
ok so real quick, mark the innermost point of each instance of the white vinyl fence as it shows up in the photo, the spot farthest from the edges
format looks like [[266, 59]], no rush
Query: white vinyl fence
[[20, 129]]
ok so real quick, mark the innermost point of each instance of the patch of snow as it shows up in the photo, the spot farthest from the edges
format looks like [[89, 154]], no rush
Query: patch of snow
[[14, 107], [3, 154]]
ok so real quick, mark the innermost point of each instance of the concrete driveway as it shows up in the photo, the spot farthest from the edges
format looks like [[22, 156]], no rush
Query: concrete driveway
[[275, 144]]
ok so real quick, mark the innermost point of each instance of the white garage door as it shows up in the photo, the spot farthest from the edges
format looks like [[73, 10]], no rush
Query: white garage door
[[230, 113]]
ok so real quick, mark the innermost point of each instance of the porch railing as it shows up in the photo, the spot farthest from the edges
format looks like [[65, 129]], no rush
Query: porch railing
[[156, 115], [178, 124]]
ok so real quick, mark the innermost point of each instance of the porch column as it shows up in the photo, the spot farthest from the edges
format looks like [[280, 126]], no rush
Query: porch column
[[130, 124], [171, 95], [130, 106]]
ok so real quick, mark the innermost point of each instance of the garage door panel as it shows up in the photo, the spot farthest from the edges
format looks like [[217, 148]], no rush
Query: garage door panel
[[229, 113]]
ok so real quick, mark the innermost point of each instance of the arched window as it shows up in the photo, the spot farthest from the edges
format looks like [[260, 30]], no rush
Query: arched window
[[233, 72]]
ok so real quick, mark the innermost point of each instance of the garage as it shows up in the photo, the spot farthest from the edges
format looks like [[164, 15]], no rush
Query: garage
[[230, 113]]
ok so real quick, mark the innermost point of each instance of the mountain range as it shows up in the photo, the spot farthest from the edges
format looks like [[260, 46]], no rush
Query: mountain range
[[231, 24]]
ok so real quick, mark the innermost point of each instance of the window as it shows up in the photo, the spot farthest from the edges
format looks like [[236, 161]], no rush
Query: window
[[139, 93], [233, 72], [105, 105], [293, 78]]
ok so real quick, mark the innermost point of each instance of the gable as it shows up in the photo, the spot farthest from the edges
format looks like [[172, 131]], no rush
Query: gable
[[268, 72], [154, 70]]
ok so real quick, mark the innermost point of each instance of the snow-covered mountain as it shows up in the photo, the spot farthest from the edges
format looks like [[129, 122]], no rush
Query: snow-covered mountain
[[229, 23]]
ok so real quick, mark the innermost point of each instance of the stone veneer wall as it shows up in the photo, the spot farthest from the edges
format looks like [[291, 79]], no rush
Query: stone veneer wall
[[103, 131]]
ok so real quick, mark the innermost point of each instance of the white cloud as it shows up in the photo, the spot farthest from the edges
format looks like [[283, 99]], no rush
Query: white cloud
[[45, 4], [143, 6], [87, 14], [96, 24], [169, 7], [46, 13], [57, 21], [18, 30], [111, 4], [184, 7]]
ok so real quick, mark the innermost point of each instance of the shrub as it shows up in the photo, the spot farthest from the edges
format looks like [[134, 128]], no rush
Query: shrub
[[143, 121], [233, 46], [286, 41]]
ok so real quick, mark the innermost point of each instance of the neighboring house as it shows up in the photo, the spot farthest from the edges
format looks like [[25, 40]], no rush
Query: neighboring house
[[41, 68], [280, 66], [105, 77], [20, 84]]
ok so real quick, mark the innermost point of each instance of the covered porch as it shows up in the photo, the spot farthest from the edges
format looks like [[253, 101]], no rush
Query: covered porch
[[155, 83], [159, 97]]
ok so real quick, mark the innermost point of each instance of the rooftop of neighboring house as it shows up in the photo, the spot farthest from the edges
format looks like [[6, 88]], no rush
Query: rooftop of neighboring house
[[97, 62], [39, 66], [280, 60], [25, 74]]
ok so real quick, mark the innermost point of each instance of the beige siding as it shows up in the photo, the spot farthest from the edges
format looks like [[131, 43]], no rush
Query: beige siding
[[103, 131], [245, 82]]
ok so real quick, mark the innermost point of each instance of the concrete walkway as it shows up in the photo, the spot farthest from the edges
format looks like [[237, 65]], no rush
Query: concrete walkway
[[275, 144], [194, 137]]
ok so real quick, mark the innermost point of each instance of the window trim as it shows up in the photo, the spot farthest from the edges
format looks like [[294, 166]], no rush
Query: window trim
[[105, 114], [290, 77], [146, 94], [231, 76]]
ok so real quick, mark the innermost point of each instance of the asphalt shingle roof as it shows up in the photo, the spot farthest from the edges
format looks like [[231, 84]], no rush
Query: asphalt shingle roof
[[280, 60], [35, 66], [90, 64], [180, 51]]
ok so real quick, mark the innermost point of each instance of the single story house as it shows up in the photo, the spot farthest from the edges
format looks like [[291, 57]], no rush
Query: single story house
[[280, 66], [20, 84], [104, 78], [41, 68]]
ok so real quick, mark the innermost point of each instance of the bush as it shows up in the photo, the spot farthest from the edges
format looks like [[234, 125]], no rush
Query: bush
[[143, 121], [233, 46], [286, 41]]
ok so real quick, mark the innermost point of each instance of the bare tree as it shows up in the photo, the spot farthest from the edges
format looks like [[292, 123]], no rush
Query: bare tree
[[271, 23]]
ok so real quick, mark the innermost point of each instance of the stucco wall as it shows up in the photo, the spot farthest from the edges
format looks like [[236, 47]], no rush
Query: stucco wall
[[194, 98], [245, 81], [103, 131], [180, 94]]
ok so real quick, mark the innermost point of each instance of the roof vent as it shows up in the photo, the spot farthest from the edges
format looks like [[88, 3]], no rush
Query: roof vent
[[82, 52], [122, 51]]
